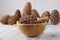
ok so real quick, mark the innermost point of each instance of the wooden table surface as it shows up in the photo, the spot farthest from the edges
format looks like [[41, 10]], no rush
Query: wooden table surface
[[8, 32]]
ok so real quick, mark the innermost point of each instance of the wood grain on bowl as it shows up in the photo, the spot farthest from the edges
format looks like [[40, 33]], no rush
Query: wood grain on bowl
[[32, 29]]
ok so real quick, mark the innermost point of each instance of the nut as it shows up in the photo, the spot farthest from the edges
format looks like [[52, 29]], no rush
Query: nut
[[32, 20], [42, 19], [27, 20]]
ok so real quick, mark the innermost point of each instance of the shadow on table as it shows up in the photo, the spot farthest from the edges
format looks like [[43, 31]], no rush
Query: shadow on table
[[52, 24], [47, 36], [34, 38]]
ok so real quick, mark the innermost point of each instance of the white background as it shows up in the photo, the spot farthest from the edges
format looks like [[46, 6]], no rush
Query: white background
[[9, 6]]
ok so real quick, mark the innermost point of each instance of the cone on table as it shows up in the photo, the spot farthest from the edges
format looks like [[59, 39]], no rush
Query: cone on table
[[13, 19], [4, 19], [59, 19], [54, 18]]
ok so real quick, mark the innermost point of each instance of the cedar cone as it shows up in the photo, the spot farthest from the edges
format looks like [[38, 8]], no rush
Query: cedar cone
[[4, 19], [27, 9], [59, 19], [34, 13], [17, 13], [54, 17], [46, 13], [13, 19]]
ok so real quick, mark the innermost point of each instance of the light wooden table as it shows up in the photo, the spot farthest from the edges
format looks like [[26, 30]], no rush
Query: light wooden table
[[7, 32]]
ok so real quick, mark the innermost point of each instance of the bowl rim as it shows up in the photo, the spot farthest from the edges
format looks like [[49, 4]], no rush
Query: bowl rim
[[32, 24]]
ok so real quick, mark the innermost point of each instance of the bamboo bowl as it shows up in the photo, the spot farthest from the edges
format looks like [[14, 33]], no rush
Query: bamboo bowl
[[32, 30]]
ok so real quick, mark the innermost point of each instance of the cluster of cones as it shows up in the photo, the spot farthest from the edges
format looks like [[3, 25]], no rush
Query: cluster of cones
[[28, 11]]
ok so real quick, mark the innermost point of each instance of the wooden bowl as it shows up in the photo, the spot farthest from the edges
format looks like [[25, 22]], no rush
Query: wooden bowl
[[32, 30]]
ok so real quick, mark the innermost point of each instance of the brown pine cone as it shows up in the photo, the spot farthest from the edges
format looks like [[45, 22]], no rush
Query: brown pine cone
[[34, 13], [17, 13], [46, 13], [13, 19], [27, 9], [59, 19], [54, 18], [4, 19]]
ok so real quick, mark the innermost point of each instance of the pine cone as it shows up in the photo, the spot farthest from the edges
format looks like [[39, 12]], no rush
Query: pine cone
[[34, 13], [4, 19], [13, 19], [46, 13], [59, 19], [54, 17], [27, 9], [17, 13]]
